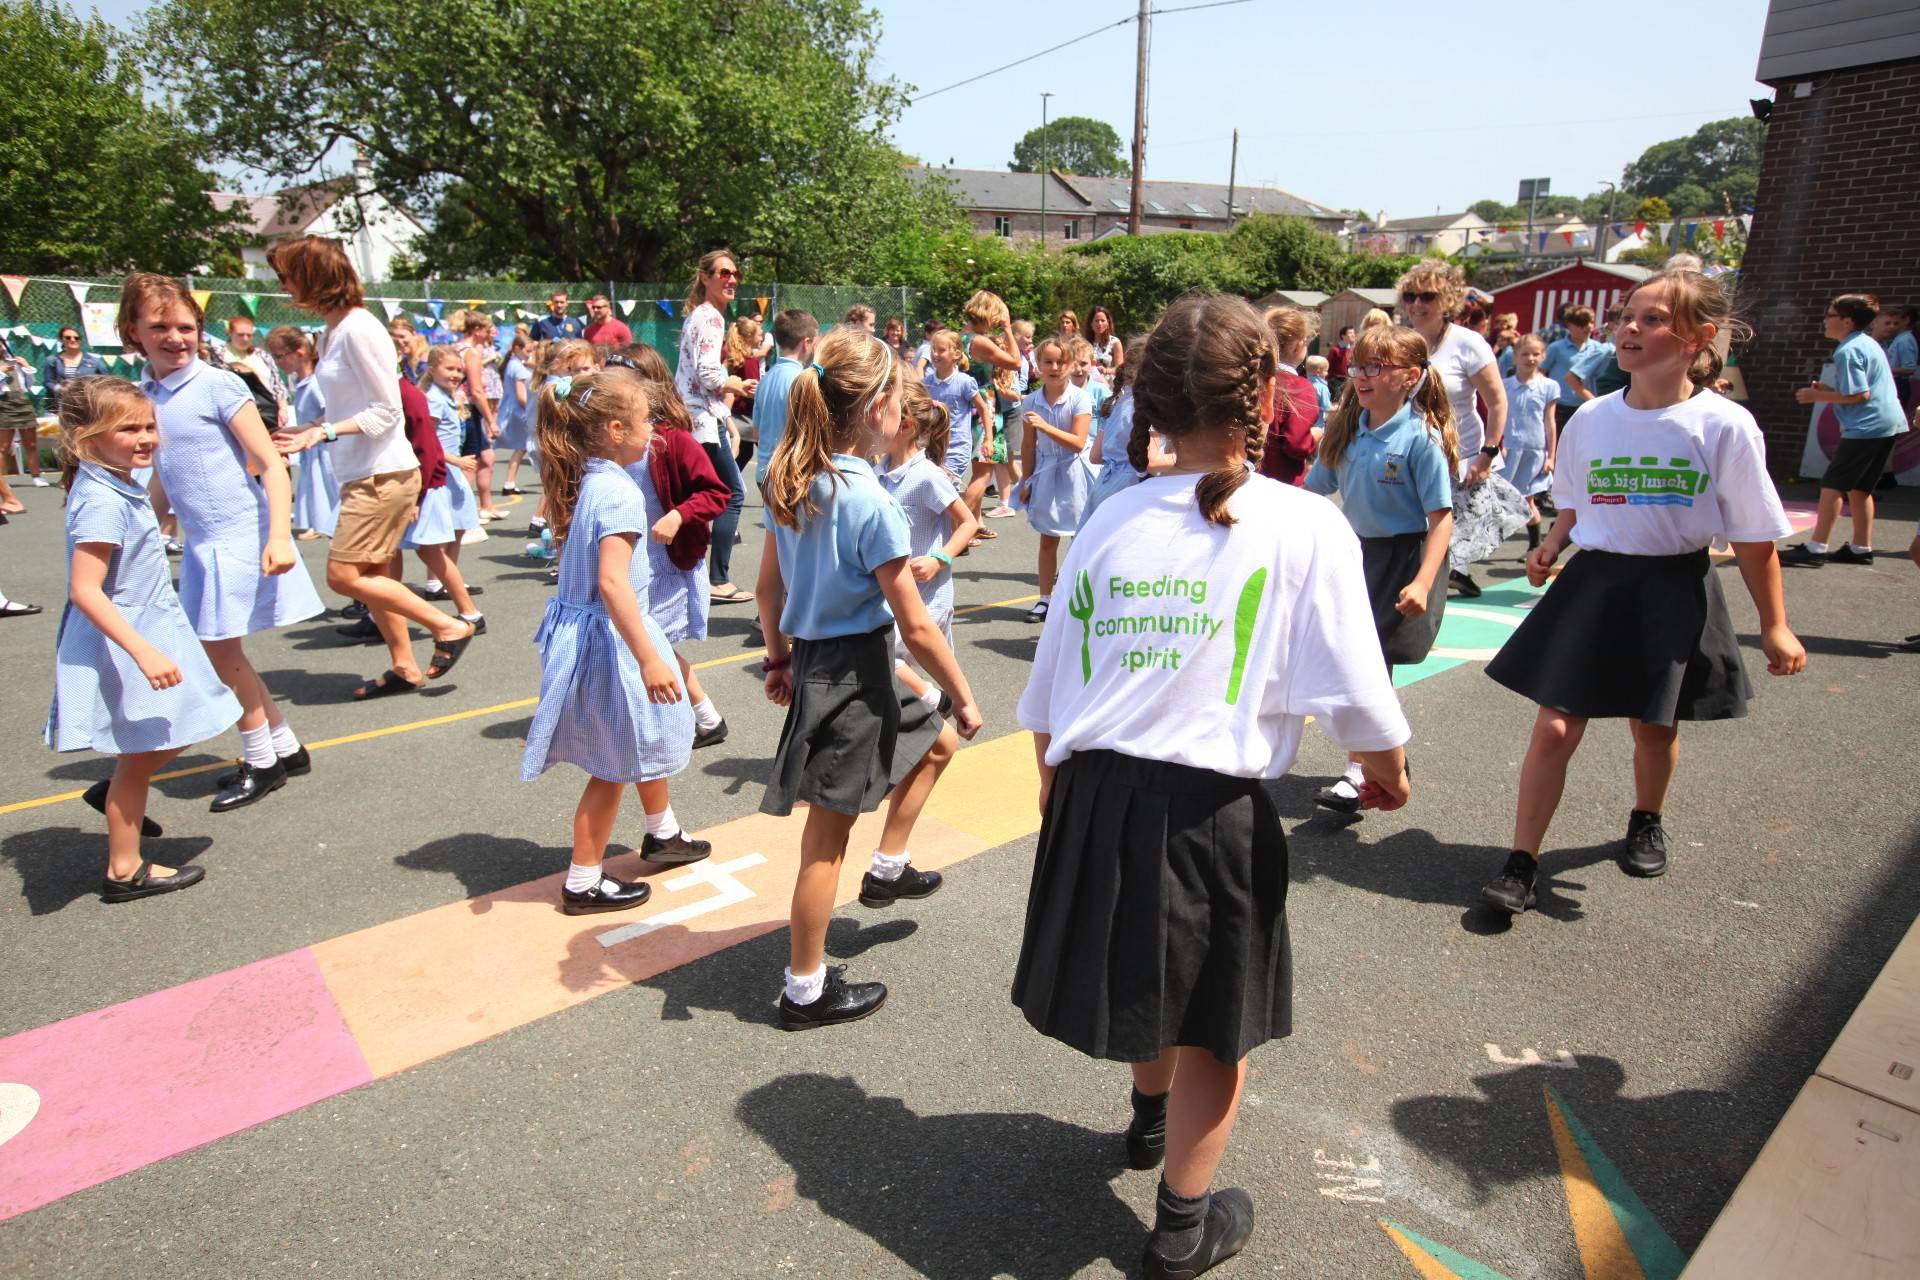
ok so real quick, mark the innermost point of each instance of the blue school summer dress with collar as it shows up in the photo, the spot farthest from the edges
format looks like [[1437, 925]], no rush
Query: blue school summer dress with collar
[[680, 598], [316, 494], [516, 419], [222, 510], [594, 711], [1115, 432], [1056, 493], [449, 511], [924, 490], [101, 702]]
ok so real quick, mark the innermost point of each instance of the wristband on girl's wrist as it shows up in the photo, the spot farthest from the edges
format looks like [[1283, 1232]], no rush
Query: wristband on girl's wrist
[[326, 429], [943, 558], [770, 665]]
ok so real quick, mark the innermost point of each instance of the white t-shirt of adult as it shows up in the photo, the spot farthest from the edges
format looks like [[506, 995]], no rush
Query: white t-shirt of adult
[[1178, 640], [1665, 482], [1461, 354], [359, 379]]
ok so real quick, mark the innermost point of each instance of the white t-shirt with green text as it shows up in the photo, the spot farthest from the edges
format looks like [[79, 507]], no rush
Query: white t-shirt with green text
[[1174, 639]]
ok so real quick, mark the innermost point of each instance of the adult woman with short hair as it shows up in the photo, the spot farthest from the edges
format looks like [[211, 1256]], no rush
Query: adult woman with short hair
[[378, 473], [709, 390]]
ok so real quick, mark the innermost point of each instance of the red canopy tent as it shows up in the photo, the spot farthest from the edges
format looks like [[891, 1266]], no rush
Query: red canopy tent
[[1537, 299]]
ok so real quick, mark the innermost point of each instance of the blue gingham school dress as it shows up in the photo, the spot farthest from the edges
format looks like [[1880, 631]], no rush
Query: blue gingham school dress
[[680, 598], [222, 510], [1056, 493], [1116, 472], [450, 510], [101, 702], [316, 494], [516, 419], [594, 711]]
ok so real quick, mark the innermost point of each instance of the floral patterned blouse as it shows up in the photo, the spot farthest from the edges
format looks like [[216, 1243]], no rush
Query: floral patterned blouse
[[701, 372]]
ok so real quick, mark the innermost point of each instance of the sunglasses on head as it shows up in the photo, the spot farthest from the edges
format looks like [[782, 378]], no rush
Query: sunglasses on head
[[1409, 295]]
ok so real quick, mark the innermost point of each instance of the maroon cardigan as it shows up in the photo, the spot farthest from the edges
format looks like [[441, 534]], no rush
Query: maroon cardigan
[[1290, 448], [686, 482], [422, 436]]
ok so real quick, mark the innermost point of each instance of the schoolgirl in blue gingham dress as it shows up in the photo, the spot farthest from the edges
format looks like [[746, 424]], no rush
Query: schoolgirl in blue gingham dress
[[594, 710], [450, 510], [316, 494], [101, 700]]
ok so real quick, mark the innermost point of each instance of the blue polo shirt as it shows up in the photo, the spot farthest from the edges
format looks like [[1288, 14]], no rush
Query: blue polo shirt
[[1860, 365], [1389, 479], [828, 563], [548, 329], [1904, 351], [770, 411], [1559, 360]]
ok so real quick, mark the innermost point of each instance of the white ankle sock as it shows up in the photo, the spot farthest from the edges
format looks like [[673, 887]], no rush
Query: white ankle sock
[[806, 989], [1355, 774], [284, 743], [580, 879], [434, 584], [704, 714], [1818, 548], [472, 617], [888, 867], [663, 825], [256, 745], [1859, 550], [932, 696]]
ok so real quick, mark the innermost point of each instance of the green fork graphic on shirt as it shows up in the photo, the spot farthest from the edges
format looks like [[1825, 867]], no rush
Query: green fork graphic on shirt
[[1081, 607]]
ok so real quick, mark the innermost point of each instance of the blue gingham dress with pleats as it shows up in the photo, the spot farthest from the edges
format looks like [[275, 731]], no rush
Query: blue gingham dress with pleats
[[222, 510], [594, 711], [316, 494], [450, 510], [101, 702], [681, 598]]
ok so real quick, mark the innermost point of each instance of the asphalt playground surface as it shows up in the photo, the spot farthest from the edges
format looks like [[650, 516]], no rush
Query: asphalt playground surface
[[667, 1127]]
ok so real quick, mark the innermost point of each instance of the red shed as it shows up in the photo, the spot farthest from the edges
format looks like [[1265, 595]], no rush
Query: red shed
[[1537, 299]]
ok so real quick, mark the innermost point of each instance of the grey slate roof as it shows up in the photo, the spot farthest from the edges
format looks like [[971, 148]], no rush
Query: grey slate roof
[[990, 189]]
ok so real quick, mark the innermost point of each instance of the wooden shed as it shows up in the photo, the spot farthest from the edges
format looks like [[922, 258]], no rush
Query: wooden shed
[[1349, 305], [1537, 299]]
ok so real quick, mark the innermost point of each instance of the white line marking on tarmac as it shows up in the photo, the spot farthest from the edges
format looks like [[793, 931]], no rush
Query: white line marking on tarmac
[[1532, 1058], [19, 1104], [713, 875], [1351, 1181]]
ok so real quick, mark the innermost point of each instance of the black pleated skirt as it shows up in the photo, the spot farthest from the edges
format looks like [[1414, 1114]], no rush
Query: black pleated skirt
[[1391, 563], [1157, 915], [852, 731], [1646, 637]]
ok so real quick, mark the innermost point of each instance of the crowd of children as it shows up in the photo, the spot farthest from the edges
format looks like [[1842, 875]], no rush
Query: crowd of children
[[1212, 605]]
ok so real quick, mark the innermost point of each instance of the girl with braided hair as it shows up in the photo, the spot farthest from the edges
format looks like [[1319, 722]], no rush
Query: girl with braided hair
[[1210, 611]]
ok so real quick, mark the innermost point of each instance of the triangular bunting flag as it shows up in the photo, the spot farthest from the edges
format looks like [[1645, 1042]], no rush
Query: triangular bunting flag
[[391, 306], [1746, 224], [1639, 228], [522, 312], [15, 286], [79, 293], [1719, 228], [1619, 231], [501, 314], [251, 301], [474, 304], [664, 305], [1543, 239], [1664, 229], [1568, 236], [762, 304], [435, 307], [1693, 229], [1504, 230], [201, 297], [627, 305]]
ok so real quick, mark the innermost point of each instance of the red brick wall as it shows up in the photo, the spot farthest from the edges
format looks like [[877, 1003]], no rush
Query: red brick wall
[[1836, 212]]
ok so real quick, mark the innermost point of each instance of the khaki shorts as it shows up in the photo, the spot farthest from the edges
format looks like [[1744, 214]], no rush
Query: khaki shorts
[[374, 513]]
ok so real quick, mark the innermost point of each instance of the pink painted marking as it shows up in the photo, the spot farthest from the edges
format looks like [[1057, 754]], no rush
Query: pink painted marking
[[150, 1078]]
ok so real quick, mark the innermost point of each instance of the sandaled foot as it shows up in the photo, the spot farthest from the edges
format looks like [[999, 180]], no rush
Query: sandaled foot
[[389, 683], [727, 593], [447, 652], [16, 609]]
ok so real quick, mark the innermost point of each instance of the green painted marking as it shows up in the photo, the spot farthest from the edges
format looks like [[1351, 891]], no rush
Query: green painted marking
[[1658, 1256], [1464, 1267], [1244, 616]]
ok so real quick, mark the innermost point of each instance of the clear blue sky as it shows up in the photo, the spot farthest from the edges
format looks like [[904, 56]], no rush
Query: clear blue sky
[[1383, 105]]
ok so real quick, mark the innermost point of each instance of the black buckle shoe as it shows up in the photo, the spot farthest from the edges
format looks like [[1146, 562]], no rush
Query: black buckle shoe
[[875, 892], [145, 884], [1646, 851], [95, 798], [840, 1001], [676, 850], [1514, 888], [1333, 797], [297, 765], [250, 785], [1845, 554], [620, 897], [710, 737], [1798, 554], [1228, 1228]]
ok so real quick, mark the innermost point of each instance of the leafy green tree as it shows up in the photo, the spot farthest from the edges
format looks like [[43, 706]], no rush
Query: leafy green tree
[[97, 179], [1653, 209], [1074, 144], [1721, 158], [1377, 270], [567, 139], [1497, 213], [1135, 277], [1278, 252], [1690, 200]]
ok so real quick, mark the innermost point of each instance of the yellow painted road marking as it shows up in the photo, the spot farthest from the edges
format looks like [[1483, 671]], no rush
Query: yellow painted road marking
[[1604, 1251]]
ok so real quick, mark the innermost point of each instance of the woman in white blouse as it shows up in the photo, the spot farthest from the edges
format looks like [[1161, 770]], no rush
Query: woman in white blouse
[[707, 388], [372, 459]]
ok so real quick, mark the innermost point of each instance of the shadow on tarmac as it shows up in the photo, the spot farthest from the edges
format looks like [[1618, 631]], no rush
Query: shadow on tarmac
[[966, 1196], [486, 864], [1837, 646], [1019, 648], [58, 866], [508, 730], [302, 688], [741, 770], [743, 980]]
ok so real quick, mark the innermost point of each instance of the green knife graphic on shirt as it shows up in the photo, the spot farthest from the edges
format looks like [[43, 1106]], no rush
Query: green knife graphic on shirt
[[1244, 616], [1081, 607]]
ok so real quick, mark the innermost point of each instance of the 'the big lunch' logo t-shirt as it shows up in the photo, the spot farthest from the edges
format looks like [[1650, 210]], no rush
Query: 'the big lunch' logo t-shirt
[[1178, 640], [1664, 482]]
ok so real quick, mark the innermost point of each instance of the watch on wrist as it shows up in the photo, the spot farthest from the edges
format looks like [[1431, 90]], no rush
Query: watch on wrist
[[326, 429], [1490, 450]]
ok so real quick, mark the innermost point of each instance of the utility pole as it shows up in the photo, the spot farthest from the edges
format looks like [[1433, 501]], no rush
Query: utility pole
[[1139, 118], [1233, 177], [1046, 166], [1612, 191]]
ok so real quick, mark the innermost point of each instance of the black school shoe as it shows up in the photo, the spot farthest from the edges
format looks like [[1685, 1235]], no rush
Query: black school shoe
[[676, 850], [1513, 890], [1340, 795], [875, 892], [620, 897], [145, 884], [1845, 554], [1646, 850], [1228, 1228], [1464, 584], [297, 765], [710, 737], [840, 1001], [1798, 554], [250, 785]]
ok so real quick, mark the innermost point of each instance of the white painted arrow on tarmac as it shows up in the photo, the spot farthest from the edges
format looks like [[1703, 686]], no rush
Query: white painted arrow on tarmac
[[19, 1104]]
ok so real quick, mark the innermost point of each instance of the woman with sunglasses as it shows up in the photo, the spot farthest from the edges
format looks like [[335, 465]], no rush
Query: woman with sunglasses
[[69, 362], [709, 391], [1431, 294]]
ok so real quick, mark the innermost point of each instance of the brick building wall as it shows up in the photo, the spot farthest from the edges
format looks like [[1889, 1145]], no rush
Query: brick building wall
[[1835, 213]]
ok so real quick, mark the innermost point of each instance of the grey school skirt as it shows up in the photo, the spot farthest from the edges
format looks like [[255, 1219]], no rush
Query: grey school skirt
[[852, 731], [1390, 563]]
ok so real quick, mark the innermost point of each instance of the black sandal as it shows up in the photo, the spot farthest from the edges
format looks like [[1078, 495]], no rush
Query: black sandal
[[447, 652], [15, 609], [389, 683]]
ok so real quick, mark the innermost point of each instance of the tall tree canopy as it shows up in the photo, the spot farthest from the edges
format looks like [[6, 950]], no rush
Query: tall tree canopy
[[1075, 144], [96, 179], [1721, 159], [572, 139]]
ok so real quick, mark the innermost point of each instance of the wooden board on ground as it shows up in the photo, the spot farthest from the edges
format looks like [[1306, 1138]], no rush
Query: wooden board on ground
[[1834, 1194], [1878, 1051]]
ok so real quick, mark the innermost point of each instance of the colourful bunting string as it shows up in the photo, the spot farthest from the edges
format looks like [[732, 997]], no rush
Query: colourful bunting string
[[1746, 224], [627, 305], [435, 307], [474, 304], [251, 301], [664, 305], [1639, 228], [201, 297], [391, 306], [79, 292], [1568, 236], [1693, 229], [1665, 229], [762, 304], [15, 286], [1619, 231], [1543, 239], [1720, 229]]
